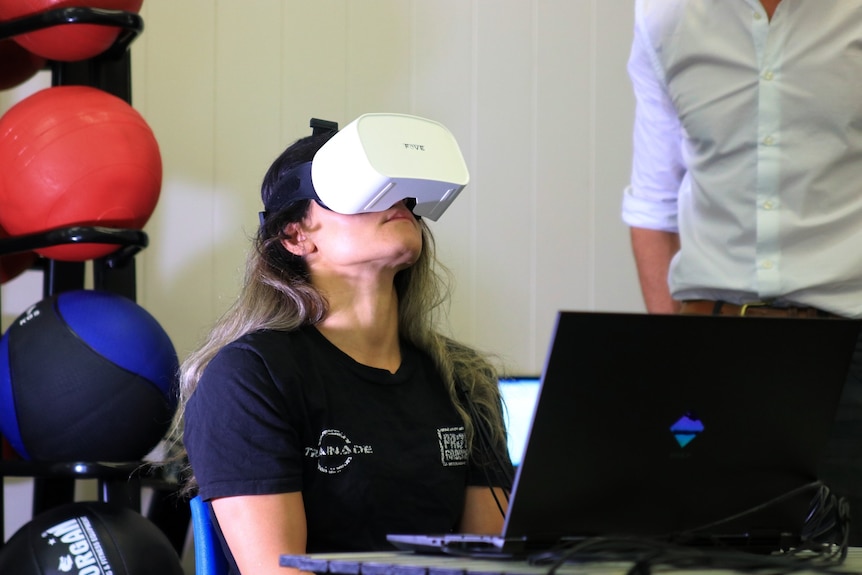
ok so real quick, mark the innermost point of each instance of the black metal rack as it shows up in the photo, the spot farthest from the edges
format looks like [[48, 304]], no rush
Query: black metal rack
[[120, 482]]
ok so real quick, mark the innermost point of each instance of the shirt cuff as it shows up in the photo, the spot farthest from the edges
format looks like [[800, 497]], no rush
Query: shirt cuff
[[641, 212]]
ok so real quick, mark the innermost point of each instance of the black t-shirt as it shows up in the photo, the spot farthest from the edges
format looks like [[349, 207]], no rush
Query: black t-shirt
[[372, 452]]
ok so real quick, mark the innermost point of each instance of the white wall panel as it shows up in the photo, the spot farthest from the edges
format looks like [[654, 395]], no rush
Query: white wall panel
[[312, 70], [614, 274], [565, 222], [378, 57], [443, 88], [247, 129], [176, 88], [504, 223]]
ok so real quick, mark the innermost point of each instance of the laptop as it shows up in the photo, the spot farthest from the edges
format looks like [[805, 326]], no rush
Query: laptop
[[660, 425]]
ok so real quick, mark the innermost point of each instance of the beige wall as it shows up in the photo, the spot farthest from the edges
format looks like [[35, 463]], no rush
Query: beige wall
[[534, 90]]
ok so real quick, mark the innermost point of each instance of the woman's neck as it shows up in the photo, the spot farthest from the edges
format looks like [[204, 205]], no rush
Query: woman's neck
[[363, 323]]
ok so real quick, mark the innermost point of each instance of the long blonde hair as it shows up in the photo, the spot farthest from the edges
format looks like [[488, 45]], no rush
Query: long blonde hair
[[277, 294]]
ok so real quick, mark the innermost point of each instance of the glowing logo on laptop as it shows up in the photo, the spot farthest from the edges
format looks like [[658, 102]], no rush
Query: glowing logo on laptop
[[686, 429]]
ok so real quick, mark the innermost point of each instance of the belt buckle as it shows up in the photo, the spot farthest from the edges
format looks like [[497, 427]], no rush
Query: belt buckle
[[744, 308]]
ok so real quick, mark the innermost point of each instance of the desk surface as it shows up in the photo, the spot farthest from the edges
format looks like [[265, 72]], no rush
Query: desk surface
[[406, 563]]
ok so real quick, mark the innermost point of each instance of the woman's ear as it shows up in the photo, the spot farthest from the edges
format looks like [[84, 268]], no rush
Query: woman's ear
[[294, 239]]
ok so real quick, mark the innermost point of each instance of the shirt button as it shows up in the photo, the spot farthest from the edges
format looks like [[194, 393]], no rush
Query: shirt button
[[757, 15], [767, 205], [768, 140], [767, 264], [768, 76]]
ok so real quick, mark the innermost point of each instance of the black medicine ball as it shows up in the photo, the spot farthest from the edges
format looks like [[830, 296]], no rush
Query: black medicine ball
[[89, 538]]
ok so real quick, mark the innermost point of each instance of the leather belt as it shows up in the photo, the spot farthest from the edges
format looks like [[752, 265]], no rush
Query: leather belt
[[759, 309]]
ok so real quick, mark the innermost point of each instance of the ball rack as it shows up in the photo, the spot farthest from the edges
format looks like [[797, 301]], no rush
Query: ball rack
[[118, 482]]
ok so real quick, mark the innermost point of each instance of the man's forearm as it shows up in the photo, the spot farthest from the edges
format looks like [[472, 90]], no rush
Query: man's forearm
[[653, 251]]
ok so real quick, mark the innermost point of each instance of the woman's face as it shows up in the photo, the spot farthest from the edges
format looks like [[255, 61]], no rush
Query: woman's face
[[358, 243]]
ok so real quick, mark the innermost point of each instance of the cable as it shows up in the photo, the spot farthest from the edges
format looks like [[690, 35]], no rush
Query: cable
[[647, 554], [825, 530], [750, 511], [822, 545], [503, 466]]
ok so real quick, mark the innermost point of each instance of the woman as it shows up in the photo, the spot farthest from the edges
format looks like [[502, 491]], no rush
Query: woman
[[324, 411]]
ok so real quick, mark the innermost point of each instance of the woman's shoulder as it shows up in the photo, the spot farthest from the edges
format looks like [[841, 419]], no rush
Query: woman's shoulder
[[264, 341], [265, 347], [262, 359]]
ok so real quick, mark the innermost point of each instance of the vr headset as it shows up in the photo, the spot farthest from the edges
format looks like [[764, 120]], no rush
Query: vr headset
[[380, 159]]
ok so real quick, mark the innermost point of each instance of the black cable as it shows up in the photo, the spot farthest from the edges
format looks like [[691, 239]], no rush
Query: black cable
[[823, 544], [824, 532], [503, 466], [646, 554], [750, 511]]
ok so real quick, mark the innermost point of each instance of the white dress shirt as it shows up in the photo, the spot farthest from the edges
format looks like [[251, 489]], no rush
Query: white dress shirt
[[748, 142]]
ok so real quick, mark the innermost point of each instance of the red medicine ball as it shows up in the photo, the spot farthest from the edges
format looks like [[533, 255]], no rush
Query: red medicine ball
[[76, 156], [66, 42]]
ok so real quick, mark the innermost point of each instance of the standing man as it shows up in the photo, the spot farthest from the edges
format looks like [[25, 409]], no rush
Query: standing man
[[746, 189]]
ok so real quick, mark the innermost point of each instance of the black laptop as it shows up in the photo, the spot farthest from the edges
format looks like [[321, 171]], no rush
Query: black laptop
[[661, 425]]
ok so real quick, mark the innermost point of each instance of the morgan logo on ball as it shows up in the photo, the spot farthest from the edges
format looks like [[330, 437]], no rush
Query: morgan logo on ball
[[80, 551]]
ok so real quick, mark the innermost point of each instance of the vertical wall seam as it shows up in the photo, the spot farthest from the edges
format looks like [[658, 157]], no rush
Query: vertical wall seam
[[591, 259], [411, 62], [534, 181], [214, 296], [474, 147]]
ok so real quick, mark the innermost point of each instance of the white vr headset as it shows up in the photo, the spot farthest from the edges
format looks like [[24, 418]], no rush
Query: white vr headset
[[376, 161]]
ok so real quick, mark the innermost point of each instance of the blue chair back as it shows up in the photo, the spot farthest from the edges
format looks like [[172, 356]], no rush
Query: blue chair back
[[209, 557]]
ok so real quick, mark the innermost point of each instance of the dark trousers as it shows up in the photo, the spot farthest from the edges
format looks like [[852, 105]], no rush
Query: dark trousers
[[841, 469]]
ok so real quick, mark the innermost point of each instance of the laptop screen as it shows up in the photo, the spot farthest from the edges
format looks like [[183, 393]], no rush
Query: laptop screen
[[519, 400], [657, 424]]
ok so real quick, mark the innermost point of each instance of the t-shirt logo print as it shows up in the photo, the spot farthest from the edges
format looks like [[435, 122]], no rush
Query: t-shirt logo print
[[335, 451], [453, 450]]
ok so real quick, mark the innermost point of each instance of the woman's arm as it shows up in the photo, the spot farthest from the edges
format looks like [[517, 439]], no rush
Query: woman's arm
[[260, 528], [481, 512]]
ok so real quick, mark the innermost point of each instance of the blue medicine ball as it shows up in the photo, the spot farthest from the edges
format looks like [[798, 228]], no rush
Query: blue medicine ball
[[89, 538], [86, 375]]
